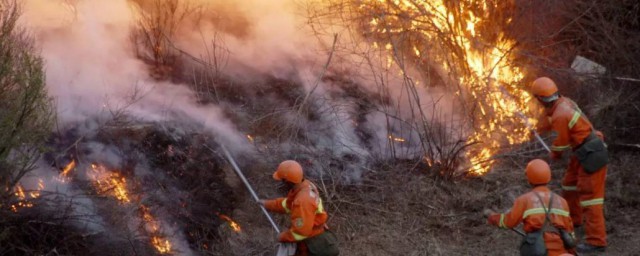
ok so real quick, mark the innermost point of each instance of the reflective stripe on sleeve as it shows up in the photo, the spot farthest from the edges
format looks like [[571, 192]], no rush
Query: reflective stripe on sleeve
[[574, 119], [502, 225], [297, 236], [560, 148], [284, 205], [570, 188], [592, 202]]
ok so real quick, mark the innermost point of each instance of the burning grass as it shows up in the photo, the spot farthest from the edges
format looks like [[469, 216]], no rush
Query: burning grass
[[164, 179], [161, 199], [195, 178]]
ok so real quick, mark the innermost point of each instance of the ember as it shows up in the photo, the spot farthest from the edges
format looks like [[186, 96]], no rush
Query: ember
[[23, 196], [234, 225], [396, 139], [161, 244]]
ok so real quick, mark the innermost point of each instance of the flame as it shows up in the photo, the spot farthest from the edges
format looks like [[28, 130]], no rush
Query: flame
[[473, 53], [150, 222], [107, 181], [21, 195], [20, 192], [68, 168], [396, 139], [250, 138], [162, 244], [234, 225], [114, 184]]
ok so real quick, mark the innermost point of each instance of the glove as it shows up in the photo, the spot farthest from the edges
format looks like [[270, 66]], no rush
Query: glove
[[282, 236], [494, 219], [261, 202], [488, 212]]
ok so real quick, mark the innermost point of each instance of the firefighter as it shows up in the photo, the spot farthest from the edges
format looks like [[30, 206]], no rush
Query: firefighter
[[545, 214], [583, 184], [308, 216]]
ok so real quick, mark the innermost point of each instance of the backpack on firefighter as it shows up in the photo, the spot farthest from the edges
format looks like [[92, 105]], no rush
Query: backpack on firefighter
[[533, 243]]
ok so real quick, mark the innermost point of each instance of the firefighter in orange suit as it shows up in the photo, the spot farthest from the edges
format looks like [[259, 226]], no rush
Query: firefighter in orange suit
[[531, 209], [583, 191], [304, 205]]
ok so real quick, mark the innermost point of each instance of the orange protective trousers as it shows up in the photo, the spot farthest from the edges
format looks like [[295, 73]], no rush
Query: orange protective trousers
[[584, 193]]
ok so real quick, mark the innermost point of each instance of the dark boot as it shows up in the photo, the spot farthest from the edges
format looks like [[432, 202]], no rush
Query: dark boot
[[587, 248]]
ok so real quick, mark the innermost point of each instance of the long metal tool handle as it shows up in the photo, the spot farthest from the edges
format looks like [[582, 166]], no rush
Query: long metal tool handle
[[518, 231], [535, 133], [541, 141], [246, 183], [527, 121]]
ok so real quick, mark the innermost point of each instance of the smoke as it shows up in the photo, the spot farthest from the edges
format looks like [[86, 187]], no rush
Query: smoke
[[92, 70], [94, 75]]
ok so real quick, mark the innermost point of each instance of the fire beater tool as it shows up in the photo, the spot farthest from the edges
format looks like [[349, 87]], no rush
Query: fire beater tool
[[284, 249]]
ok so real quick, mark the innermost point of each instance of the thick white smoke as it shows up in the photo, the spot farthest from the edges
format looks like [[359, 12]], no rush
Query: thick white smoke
[[93, 73]]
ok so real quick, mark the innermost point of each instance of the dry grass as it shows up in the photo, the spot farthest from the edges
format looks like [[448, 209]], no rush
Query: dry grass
[[395, 210]]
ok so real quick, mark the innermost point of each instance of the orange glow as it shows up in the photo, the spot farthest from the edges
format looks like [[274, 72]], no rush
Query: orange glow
[[250, 138], [396, 139], [150, 222], [114, 184], [461, 37], [109, 182], [68, 168], [20, 192], [234, 225], [162, 244], [21, 195]]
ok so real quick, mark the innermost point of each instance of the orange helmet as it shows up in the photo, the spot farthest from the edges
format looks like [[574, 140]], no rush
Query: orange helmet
[[538, 172], [545, 89], [290, 171]]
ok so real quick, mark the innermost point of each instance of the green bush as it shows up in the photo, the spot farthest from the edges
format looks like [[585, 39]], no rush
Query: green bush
[[26, 111]]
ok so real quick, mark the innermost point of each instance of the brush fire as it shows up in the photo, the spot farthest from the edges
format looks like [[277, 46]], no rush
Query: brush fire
[[112, 183], [477, 57], [146, 85]]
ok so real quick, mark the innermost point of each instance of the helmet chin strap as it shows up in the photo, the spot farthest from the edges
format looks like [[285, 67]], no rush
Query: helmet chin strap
[[284, 186], [547, 102]]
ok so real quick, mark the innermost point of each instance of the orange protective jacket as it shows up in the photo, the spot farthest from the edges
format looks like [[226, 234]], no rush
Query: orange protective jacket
[[528, 209], [566, 118], [304, 205], [583, 191]]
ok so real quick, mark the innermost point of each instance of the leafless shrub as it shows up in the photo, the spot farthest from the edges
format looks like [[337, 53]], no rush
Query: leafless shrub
[[608, 32], [158, 21], [440, 138]]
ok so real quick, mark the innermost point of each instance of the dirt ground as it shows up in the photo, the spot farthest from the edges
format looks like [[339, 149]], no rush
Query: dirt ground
[[398, 211]]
